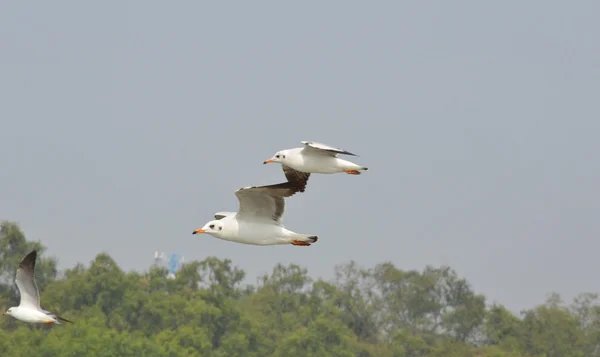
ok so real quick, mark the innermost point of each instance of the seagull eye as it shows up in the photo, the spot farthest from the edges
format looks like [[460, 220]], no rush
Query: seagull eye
[[212, 226], [277, 156]]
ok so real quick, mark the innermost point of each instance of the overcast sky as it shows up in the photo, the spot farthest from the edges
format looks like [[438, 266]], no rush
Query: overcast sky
[[126, 125]]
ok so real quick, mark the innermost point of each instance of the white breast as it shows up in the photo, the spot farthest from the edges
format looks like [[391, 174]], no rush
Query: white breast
[[315, 164], [30, 315], [253, 233]]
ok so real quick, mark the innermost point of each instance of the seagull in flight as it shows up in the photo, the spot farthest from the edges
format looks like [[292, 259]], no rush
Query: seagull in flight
[[316, 158], [29, 309], [259, 218]]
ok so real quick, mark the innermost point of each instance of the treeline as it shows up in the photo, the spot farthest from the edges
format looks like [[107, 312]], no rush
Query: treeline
[[205, 311]]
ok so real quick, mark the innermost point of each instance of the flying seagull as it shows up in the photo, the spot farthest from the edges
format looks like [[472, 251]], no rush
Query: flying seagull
[[29, 309], [316, 158], [259, 218]]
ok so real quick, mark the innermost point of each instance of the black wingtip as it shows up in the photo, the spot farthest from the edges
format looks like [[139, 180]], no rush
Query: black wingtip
[[65, 320], [29, 258]]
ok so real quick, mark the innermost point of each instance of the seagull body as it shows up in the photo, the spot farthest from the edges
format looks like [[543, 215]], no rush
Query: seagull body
[[235, 229], [316, 158], [259, 219], [29, 309], [32, 316]]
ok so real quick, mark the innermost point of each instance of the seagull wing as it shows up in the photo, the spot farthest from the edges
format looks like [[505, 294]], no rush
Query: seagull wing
[[266, 204], [314, 147], [30, 296], [301, 178], [223, 214]]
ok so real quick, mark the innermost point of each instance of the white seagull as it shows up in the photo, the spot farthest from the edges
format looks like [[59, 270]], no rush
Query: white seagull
[[259, 218], [29, 309], [316, 158]]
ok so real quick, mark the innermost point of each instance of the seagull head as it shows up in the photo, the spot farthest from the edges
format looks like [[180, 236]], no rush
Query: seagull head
[[278, 157], [214, 228], [8, 312]]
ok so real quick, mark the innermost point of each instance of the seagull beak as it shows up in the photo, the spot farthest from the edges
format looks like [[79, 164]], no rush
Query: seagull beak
[[198, 231], [268, 161], [4, 313]]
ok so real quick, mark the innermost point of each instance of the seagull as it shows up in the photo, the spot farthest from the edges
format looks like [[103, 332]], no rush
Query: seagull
[[259, 218], [29, 309], [316, 158]]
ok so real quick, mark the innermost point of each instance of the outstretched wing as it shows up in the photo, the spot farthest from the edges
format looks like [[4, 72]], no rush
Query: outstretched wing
[[301, 178], [266, 203], [30, 296], [324, 149]]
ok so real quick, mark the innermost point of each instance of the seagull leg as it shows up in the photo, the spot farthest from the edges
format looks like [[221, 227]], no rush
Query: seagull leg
[[300, 242], [352, 172]]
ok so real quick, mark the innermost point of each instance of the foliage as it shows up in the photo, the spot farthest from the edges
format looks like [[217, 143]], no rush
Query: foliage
[[204, 311]]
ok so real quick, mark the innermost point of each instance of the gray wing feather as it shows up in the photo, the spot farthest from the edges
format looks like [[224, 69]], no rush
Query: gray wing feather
[[266, 203], [223, 214], [25, 280], [301, 178], [313, 145]]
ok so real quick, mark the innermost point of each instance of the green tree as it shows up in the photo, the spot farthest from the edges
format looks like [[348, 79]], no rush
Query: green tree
[[551, 330], [358, 300], [377, 312], [503, 329]]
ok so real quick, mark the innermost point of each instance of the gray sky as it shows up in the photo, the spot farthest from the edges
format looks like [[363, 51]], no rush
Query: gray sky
[[126, 125]]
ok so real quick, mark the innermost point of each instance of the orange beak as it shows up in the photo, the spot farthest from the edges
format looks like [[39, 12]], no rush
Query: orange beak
[[198, 231], [268, 161]]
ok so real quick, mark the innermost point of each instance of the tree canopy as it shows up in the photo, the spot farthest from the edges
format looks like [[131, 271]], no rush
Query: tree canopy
[[206, 311]]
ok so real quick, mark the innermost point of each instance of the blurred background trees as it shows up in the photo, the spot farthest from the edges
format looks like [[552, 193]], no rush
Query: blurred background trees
[[205, 311]]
